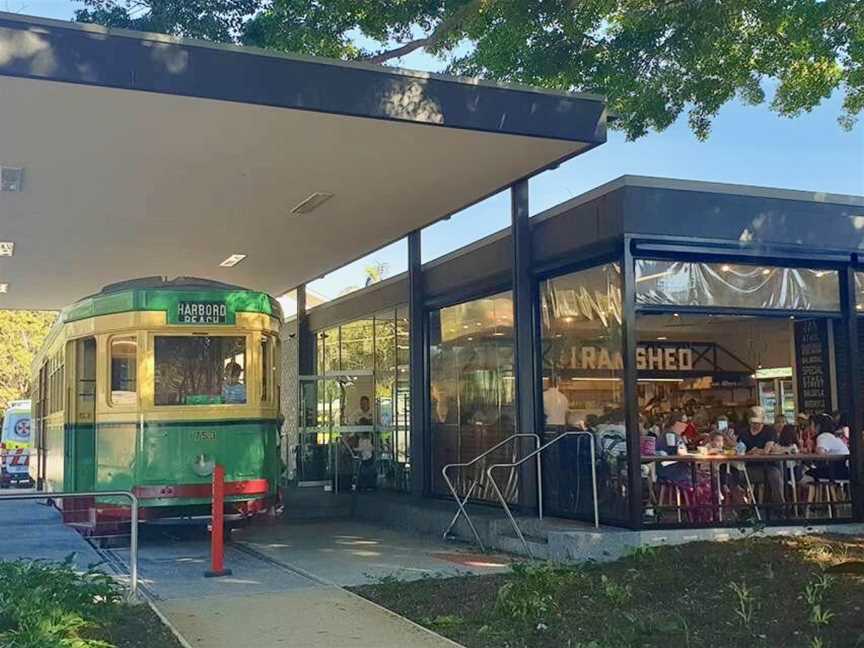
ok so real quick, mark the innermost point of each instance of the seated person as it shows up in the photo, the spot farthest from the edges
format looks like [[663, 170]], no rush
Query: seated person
[[233, 391], [787, 443], [829, 442], [716, 443], [363, 416], [668, 444], [760, 439]]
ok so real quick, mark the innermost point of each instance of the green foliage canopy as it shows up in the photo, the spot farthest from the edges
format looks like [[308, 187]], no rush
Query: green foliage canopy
[[21, 336], [653, 59]]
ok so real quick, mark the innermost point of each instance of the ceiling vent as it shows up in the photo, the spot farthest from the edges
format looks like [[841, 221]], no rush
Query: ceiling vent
[[7, 248], [312, 202], [10, 178]]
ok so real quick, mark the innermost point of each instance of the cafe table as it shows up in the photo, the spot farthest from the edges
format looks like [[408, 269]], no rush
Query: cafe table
[[716, 459]]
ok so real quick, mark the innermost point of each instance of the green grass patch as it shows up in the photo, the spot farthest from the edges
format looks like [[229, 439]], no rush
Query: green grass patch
[[55, 605], [803, 592]]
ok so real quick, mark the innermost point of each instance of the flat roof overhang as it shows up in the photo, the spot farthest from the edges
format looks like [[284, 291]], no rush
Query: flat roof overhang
[[148, 155]]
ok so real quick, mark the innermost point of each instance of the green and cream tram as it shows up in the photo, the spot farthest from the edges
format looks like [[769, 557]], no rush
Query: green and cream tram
[[147, 385]]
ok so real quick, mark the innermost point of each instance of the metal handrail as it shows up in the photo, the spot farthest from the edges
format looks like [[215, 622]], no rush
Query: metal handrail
[[461, 503], [133, 533], [536, 453]]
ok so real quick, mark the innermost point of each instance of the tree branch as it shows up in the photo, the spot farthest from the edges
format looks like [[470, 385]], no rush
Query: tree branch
[[446, 26]]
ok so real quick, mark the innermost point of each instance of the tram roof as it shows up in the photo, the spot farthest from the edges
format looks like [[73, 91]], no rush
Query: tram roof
[[165, 295], [144, 154]]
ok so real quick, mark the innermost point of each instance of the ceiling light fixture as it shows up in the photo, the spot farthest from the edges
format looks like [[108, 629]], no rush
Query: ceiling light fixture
[[4, 288], [7, 248], [232, 260], [11, 178], [312, 202]]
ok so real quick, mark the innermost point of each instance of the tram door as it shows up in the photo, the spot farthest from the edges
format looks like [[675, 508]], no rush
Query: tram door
[[80, 446]]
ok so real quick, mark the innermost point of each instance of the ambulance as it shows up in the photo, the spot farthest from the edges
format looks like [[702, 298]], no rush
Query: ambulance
[[15, 445]]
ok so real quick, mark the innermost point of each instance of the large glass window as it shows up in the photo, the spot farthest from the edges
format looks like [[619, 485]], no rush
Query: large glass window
[[357, 345], [583, 391], [733, 410], [729, 285], [377, 396], [200, 370], [124, 370], [472, 389]]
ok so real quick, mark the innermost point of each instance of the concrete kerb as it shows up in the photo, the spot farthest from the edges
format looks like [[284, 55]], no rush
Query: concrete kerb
[[174, 631]]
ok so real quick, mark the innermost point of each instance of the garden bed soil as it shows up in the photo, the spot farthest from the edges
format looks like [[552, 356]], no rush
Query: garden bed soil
[[791, 592], [137, 626]]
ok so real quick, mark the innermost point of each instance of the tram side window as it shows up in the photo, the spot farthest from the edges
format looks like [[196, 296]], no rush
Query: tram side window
[[124, 370], [267, 376], [200, 370]]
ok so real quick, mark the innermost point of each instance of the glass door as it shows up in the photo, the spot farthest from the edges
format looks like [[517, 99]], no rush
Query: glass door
[[337, 442]]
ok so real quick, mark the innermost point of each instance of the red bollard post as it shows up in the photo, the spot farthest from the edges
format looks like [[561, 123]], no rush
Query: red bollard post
[[217, 540]]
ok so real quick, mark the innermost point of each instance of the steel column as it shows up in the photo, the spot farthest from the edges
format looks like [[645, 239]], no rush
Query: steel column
[[631, 399], [528, 412], [853, 381], [305, 341], [421, 455]]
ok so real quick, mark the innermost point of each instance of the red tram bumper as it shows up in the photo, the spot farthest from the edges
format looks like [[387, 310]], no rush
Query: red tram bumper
[[175, 502]]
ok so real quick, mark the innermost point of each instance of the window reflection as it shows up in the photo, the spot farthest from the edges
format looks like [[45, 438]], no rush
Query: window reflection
[[730, 285], [200, 370], [124, 370], [472, 389], [583, 391]]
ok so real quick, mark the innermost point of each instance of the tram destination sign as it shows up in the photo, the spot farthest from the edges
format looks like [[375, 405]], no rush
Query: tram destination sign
[[195, 312]]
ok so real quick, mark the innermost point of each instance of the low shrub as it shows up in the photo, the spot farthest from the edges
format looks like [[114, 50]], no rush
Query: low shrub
[[53, 605]]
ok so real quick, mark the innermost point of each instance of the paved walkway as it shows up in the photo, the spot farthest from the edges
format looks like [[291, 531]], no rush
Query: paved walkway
[[32, 530], [286, 585]]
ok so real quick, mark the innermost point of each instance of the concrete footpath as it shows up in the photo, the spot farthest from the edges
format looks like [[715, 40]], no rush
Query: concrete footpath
[[287, 585], [286, 588], [34, 531]]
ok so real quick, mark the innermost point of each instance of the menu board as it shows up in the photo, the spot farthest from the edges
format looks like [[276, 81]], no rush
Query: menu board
[[813, 367]]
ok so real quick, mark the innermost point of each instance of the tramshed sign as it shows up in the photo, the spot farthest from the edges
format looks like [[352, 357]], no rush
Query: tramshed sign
[[649, 357], [686, 359]]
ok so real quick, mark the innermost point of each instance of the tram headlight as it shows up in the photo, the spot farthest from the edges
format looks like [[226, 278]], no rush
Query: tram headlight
[[204, 465]]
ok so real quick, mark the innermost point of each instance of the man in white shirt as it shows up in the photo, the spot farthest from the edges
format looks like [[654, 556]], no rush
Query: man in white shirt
[[555, 405]]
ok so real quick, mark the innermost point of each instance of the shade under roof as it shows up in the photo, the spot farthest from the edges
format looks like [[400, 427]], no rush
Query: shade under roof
[[145, 155]]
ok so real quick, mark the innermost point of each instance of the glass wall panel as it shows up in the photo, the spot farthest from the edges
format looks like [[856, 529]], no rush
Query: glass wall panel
[[716, 389], [725, 285], [378, 397], [583, 390], [472, 389], [403, 388], [357, 345]]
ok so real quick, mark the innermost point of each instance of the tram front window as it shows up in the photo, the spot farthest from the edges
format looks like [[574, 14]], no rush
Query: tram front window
[[200, 370]]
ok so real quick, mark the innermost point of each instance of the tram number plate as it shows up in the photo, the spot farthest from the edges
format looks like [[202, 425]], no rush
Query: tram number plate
[[205, 435], [202, 313]]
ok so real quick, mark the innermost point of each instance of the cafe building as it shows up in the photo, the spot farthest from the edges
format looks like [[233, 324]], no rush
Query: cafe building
[[579, 329], [593, 324]]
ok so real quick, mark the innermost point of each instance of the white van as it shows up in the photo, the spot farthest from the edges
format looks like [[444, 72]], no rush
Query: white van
[[15, 445]]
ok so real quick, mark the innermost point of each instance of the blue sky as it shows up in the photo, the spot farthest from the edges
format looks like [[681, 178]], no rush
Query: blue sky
[[748, 145]]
